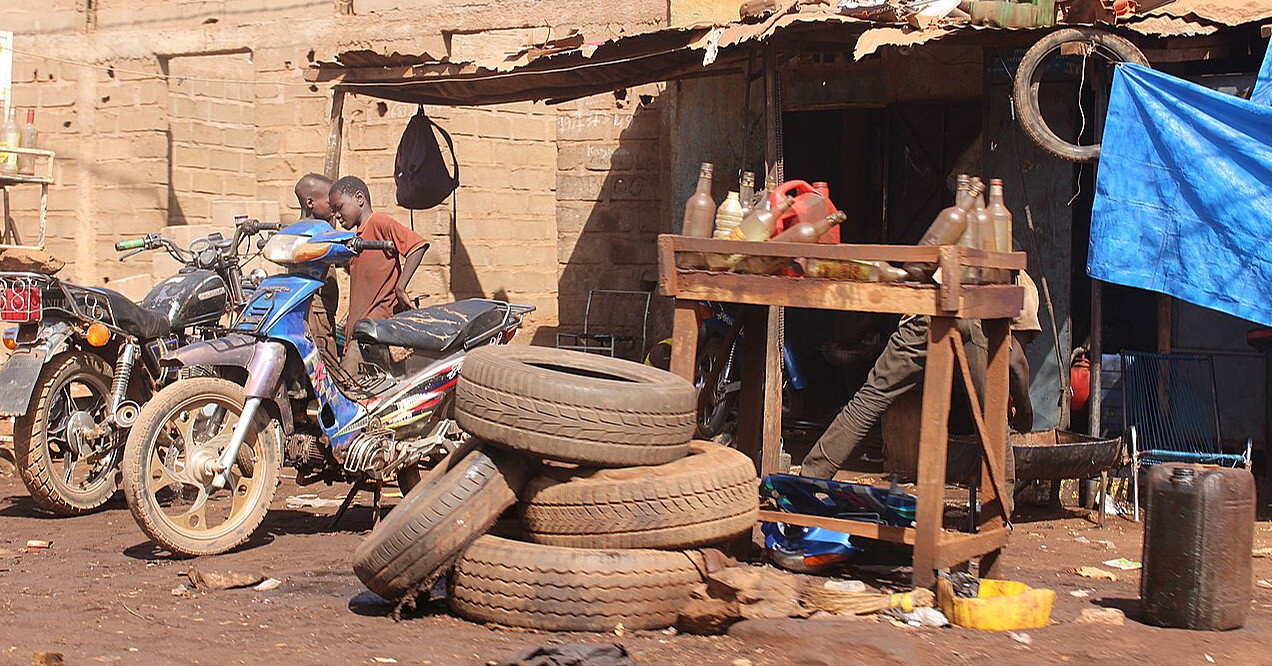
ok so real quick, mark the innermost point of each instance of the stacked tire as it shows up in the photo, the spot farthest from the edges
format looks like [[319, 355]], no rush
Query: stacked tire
[[610, 494]]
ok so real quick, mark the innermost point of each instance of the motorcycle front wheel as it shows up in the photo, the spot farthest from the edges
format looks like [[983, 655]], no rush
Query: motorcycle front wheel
[[66, 473], [169, 465]]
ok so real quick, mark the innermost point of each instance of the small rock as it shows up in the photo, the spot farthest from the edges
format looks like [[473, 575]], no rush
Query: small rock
[[37, 544], [45, 658], [1111, 616], [1093, 572], [268, 584], [1022, 637], [740, 662], [222, 580], [1264, 583], [180, 590], [1081, 594], [619, 630]]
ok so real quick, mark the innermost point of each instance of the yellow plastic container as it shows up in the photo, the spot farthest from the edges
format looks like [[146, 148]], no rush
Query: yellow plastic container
[[1001, 605]]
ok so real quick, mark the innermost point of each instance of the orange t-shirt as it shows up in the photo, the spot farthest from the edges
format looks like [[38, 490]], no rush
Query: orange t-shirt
[[373, 274]]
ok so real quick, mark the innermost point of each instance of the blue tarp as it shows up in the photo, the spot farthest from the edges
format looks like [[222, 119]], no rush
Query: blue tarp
[[1262, 93], [1183, 201]]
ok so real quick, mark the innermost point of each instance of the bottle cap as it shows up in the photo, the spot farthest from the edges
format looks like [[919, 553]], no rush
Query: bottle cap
[[706, 167]]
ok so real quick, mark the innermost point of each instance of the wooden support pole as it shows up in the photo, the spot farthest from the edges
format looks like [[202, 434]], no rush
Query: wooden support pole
[[995, 506], [684, 340], [1096, 353], [772, 114], [938, 378], [760, 400], [335, 132], [1165, 308]]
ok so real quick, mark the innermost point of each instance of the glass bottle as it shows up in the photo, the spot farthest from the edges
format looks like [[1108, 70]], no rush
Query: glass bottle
[[804, 232], [854, 270], [759, 225], [10, 137], [946, 229], [1001, 219], [728, 216], [700, 207], [746, 192], [26, 163]]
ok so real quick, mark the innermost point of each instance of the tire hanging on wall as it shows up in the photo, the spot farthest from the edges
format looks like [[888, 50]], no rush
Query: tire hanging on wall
[[570, 589], [575, 407], [707, 497], [1024, 93]]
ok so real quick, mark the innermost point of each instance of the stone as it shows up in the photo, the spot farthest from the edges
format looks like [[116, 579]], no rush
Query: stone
[[46, 658], [223, 580], [29, 261], [1110, 616]]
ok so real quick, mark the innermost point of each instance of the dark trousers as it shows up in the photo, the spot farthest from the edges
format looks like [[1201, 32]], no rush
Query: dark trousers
[[898, 369], [322, 318]]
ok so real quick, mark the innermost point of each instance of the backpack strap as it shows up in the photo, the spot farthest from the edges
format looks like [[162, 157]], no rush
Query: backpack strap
[[449, 143]]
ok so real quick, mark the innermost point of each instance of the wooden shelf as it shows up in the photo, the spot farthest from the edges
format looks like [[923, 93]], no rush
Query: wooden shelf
[[7, 179]]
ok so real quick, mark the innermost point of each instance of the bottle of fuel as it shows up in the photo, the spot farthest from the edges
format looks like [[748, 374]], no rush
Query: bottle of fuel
[[699, 217], [1000, 216], [804, 232], [10, 137], [26, 163], [946, 229]]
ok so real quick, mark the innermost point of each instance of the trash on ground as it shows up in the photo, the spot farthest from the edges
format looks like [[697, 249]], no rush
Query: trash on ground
[[1265, 584], [1022, 637], [966, 586], [597, 655], [1082, 593], [744, 592], [846, 586], [1000, 605], [1123, 564], [36, 544], [1102, 616], [311, 501], [222, 580], [863, 603], [180, 590], [1092, 572], [268, 584], [919, 617]]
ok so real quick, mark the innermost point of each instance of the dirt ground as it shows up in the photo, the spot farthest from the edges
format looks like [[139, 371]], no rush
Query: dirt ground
[[102, 594]]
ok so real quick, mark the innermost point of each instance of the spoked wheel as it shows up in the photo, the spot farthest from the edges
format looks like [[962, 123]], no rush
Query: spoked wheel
[[67, 468], [171, 459], [713, 412]]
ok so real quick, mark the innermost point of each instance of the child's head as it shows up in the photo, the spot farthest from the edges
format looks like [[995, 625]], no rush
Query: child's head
[[350, 201], [313, 193]]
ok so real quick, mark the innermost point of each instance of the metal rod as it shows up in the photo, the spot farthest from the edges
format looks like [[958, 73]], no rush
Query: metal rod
[[230, 454]]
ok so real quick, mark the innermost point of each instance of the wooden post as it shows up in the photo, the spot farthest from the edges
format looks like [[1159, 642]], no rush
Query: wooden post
[[938, 378], [760, 400], [684, 340], [335, 132], [772, 113], [995, 509], [1096, 353], [1165, 306]]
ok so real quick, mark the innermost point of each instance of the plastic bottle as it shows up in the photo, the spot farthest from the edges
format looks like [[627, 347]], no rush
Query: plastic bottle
[[854, 270], [728, 216], [946, 229], [746, 192], [10, 137], [700, 207], [1001, 217], [832, 236], [810, 233], [26, 163]]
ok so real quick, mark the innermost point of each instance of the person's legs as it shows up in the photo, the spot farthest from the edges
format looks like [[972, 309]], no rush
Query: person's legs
[[322, 318], [898, 369]]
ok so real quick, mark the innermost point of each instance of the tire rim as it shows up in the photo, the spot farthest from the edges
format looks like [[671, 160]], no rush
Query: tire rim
[[178, 468], [710, 416], [80, 465]]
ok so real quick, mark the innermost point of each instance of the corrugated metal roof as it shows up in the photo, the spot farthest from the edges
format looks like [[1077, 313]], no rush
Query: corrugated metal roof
[[571, 67]]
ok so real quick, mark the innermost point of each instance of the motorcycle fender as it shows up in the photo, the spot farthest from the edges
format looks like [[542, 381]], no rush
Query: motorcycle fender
[[263, 360], [20, 373], [17, 380]]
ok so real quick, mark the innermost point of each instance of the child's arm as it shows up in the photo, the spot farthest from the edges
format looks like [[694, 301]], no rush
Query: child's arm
[[409, 265]]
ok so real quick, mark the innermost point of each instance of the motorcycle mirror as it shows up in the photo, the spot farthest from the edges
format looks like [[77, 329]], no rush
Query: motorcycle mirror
[[255, 276]]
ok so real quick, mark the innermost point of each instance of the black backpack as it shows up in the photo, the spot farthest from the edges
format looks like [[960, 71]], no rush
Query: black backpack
[[419, 171]]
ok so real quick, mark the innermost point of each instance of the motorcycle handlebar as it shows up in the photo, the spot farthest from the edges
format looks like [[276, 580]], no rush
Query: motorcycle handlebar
[[359, 245], [133, 244]]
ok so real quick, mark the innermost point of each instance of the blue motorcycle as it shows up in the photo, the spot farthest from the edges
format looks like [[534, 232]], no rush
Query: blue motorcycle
[[203, 458]]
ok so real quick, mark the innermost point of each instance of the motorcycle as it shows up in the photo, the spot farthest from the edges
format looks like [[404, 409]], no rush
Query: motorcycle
[[203, 460], [84, 358]]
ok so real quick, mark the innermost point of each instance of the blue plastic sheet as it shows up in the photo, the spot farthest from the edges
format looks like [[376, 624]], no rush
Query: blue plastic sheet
[[1183, 202], [1262, 93]]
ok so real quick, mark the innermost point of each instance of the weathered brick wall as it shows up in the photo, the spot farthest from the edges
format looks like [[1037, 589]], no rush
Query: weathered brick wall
[[138, 151]]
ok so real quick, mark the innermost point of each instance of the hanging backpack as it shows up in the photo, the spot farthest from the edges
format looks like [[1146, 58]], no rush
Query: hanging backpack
[[420, 172]]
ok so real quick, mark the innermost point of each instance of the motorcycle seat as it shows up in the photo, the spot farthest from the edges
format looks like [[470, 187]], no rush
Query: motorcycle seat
[[132, 318], [437, 328]]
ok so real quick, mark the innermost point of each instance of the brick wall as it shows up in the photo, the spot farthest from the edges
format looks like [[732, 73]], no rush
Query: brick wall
[[540, 219]]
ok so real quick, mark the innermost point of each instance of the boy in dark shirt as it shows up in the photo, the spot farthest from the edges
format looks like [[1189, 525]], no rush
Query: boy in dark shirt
[[377, 278]]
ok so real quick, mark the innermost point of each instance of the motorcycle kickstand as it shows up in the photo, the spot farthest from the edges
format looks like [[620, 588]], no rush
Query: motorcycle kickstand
[[358, 486]]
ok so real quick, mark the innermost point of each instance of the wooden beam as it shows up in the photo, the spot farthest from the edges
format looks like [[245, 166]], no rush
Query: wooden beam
[[760, 399], [1165, 307], [956, 548], [844, 252], [933, 438], [335, 134], [995, 507], [858, 528], [684, 340]]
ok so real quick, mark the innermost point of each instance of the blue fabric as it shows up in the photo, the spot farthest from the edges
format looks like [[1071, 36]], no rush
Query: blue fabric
[[1183, 201], [1262, 93]]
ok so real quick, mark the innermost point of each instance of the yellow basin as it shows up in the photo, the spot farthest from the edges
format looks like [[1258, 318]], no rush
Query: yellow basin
[[1001, 605]]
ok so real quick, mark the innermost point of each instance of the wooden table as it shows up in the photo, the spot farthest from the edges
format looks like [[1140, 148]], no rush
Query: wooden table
[[759, 405]]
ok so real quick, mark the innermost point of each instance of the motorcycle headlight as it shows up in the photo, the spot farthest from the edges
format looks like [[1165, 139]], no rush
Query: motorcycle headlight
[[281, 248]]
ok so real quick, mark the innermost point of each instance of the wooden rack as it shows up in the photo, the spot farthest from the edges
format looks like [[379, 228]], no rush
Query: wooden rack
[[42, 176], [759, 406]]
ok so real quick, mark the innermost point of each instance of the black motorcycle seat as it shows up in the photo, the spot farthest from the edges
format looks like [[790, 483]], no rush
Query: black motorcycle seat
[[132, 318], [439, 328]]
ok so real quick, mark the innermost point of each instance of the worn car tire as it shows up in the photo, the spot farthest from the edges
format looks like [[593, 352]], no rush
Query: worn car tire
[[706, 497], [575, 407], [1029, 78], [570, 589], [31, 452], [420, 537]]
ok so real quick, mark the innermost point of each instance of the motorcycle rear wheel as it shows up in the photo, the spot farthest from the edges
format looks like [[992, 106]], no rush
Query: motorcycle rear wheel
[[169, 494], [73, 392]]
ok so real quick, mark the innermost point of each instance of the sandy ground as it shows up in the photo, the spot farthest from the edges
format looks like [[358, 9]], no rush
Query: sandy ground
[[101, 593]]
